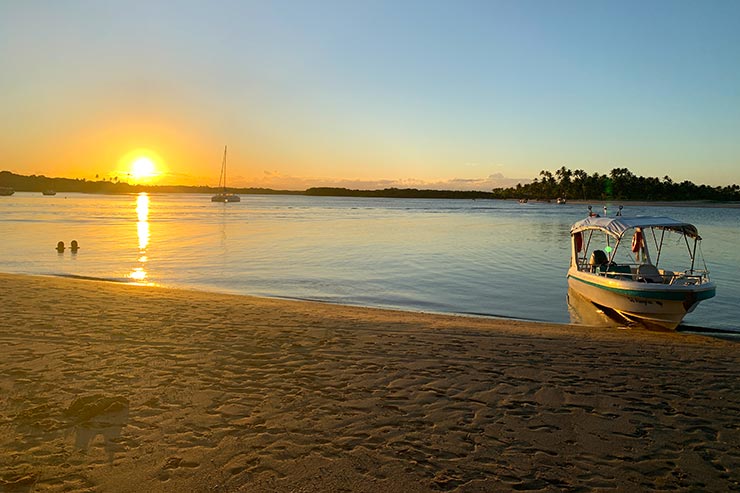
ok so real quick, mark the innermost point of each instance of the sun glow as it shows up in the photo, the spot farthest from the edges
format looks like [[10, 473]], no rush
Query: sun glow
[[143, 168]]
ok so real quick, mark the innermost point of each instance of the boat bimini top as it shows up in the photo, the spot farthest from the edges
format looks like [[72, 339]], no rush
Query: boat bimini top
[[616, 226]]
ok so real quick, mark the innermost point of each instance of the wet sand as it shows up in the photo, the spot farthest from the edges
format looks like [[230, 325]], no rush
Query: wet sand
[[107, 387]]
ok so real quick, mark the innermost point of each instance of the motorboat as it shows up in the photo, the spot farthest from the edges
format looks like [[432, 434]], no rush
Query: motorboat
[[224, 196], [6, 191], [616, 264], [560, 200], [49, 192]]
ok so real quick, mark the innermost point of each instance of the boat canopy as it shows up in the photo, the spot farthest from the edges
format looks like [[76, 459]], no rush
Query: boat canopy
[[616, 226]]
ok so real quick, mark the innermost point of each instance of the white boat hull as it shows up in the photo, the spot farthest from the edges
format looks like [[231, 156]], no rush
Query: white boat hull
[[225, 197], [661, 305]]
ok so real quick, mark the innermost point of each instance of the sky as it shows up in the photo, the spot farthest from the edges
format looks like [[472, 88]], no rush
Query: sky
[[370, 94]]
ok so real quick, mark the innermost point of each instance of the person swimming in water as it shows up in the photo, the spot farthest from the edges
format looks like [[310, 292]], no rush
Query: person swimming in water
[[73, 247], [60, 247]]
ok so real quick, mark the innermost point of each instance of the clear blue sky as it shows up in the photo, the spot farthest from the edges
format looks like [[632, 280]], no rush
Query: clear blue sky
[[457, 94]]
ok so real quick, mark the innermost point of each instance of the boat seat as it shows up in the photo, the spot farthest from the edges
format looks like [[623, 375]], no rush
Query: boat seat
[[649, 273]]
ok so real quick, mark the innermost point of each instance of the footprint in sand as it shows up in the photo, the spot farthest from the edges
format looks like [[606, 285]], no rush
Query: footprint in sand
[[97, 414], [173, 463]]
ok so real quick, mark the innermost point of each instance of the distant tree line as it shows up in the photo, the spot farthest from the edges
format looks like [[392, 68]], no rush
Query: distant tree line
[[40, 183], [619, 184], [399, 193]]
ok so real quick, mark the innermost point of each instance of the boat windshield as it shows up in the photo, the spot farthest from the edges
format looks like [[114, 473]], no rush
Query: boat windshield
[[667, 249]]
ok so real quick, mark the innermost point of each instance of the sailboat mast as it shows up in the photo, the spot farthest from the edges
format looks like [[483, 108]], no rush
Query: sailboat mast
[[223, 169]]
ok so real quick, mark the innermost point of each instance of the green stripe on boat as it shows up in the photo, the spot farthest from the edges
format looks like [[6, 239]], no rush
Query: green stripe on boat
[[655, 295]]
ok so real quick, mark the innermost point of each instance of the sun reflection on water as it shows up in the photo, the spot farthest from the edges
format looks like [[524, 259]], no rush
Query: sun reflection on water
[[142, 229]]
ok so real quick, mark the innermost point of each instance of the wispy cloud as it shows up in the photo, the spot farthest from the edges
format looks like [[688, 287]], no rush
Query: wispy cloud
[[277, 180]]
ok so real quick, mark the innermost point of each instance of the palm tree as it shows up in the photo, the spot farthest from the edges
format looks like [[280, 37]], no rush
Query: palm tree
[[580, 181], [564, 175]]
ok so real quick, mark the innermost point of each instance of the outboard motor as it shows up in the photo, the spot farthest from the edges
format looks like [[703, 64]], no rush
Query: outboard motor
[[598, 257]]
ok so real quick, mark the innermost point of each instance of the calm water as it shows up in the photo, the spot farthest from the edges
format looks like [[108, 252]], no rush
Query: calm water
[[483, 257]]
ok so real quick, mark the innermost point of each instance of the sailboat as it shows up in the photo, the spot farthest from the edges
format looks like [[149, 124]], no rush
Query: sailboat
[[223, 196]]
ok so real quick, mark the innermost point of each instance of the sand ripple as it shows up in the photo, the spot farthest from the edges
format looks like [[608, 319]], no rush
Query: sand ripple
[[118, 388]]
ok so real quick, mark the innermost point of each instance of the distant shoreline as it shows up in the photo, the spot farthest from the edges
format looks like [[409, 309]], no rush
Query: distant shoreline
[[611, 204], [426, 194], [39, 184]]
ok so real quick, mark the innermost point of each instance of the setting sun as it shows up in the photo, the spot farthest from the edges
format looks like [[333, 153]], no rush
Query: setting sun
[[143, 167]]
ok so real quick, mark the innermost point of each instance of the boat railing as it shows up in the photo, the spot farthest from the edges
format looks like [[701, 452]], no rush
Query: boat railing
[[638, 272], [689, 278]]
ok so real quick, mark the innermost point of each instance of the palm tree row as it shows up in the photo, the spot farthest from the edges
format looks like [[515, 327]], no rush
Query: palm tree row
[[619, 184]]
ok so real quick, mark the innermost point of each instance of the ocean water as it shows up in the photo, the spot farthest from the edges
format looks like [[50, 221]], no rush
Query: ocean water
[[483, 257]]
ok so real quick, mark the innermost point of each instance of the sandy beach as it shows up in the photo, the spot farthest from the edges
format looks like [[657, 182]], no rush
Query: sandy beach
[[111, 387]]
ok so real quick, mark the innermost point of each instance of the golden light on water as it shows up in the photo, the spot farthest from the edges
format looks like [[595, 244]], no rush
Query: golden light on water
[[142, 227], [138, 274], [142, 231], [142, 207]]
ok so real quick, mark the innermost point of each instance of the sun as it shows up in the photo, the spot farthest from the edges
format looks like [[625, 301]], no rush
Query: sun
[[143, 168]]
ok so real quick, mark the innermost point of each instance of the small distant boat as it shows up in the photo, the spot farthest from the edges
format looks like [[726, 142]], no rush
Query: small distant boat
[[523, 201], [625, 278], [560, 200], [6, 191], [49, 192], [224, 196]]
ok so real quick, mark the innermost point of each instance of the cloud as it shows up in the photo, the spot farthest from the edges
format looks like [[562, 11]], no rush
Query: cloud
[[279, 181]]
